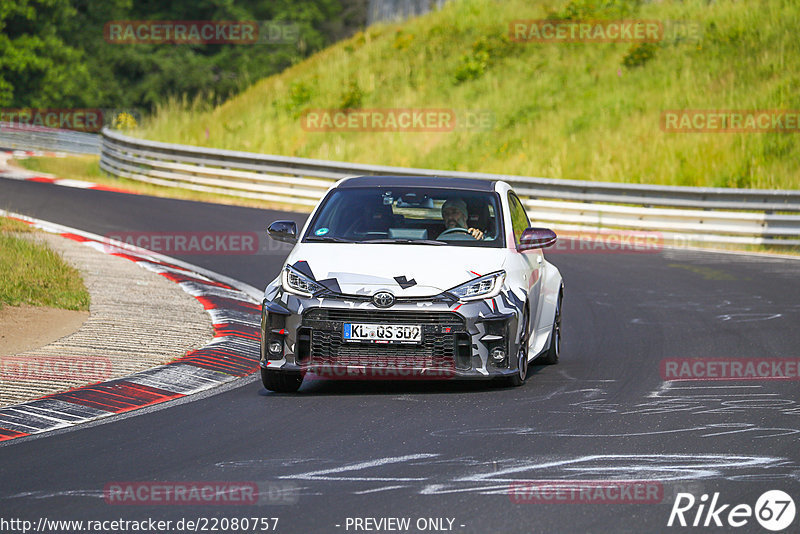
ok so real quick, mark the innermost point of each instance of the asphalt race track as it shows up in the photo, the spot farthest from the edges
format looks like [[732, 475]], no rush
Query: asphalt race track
[[449, 450]]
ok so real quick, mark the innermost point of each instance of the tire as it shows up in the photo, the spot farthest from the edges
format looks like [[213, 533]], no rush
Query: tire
[[522, 354], [551, 356], [281, 381]]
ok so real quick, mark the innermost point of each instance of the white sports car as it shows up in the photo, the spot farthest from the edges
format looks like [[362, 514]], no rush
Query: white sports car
[[412, 277]]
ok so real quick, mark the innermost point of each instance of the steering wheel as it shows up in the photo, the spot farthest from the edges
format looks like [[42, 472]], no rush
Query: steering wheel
[[454, 230]]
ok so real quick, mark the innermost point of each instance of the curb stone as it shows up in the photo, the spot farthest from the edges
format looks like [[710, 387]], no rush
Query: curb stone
[[232, 353], [137, 320]]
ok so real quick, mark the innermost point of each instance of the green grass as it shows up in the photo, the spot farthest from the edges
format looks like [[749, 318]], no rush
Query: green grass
[[586, 111], [75, 167], [87, 168], [33, 274]]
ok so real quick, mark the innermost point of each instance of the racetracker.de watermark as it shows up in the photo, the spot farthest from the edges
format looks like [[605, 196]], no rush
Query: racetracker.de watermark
[[186, 243], [586, 31], [586, 492], [608, 242], [199, 32], [730, 121], [206, 493], [85, 368], [396, 120], [730, 369], [81, 120], [386, 372], [76, 119]]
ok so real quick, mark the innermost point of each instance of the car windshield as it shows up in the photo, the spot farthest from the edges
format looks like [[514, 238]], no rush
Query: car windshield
[[419, 216]]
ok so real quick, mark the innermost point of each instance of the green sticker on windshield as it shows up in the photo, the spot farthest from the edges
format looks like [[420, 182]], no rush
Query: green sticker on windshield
[[321, 231]]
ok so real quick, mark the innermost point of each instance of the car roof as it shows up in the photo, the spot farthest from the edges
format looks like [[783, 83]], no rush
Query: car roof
[[463, 184]]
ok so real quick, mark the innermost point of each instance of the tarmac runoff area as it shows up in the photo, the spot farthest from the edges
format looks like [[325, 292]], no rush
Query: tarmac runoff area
[[137, 320]]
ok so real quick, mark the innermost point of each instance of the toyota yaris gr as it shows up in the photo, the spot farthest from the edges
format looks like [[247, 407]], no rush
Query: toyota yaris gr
[[411, 277]]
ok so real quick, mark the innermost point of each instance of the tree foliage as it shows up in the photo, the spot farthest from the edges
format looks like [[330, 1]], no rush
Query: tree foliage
[[53, 52]]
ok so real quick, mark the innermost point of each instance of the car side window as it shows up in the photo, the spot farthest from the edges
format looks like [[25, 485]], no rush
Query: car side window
[[519, 219]]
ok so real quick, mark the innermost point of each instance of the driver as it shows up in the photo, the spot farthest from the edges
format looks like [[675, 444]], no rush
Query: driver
[[454, 215]]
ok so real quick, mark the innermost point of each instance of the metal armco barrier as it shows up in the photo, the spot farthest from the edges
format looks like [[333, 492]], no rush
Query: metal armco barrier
[[18, 137], [696, 214]]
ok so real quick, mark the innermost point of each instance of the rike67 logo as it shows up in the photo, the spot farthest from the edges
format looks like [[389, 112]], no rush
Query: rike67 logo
[[774, 510]]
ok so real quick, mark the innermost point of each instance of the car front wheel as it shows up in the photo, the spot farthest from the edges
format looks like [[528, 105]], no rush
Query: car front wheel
[[551, 356], [522, 354]]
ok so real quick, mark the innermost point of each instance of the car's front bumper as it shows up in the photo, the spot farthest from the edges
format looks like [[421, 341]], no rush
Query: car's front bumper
[[458, 339]]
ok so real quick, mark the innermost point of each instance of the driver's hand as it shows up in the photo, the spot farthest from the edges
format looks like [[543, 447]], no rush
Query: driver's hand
[[477, 234]]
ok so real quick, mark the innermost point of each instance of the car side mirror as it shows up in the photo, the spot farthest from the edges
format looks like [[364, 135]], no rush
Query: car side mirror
[[535, 238], [285, 231]]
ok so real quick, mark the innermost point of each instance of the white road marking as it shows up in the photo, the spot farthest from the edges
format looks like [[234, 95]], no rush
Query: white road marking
[[376, 490], [320, 475]]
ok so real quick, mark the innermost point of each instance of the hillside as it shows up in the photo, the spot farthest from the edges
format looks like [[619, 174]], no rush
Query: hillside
[[583, 110]]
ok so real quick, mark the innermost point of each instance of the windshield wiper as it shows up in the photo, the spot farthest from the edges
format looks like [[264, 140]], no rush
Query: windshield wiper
[[407, 241], [328, 238]]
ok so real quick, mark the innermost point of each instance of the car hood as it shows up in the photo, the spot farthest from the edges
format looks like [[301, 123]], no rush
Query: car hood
[[363, 269]]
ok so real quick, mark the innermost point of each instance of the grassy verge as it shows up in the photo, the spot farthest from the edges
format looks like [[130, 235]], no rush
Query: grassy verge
[[87, 168], [587, 110], [31, 273]]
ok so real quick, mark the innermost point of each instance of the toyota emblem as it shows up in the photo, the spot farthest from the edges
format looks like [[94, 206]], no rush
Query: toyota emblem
[[383, 299]]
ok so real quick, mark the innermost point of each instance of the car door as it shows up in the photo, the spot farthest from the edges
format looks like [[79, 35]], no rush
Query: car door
[[528, 264]]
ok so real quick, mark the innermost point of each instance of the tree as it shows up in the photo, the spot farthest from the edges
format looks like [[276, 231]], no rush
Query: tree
[[37, 67], [53, 52]]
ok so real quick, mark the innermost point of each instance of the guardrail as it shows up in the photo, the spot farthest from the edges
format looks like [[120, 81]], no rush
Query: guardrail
[[696, 214], [20, 137]]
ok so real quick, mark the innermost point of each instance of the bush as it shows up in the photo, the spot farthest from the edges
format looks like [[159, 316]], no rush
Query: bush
[[352, 97], [639, 54], [299, 95], [485, 51]]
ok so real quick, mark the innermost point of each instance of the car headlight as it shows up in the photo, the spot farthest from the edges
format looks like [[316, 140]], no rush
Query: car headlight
[[480, 288], [298, 283]]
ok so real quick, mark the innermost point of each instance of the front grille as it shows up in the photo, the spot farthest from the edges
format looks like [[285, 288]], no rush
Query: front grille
[[395, 317], [438, 349], [327, 348]]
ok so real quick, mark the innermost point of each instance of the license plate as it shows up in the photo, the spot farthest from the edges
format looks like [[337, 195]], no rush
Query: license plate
[[382, 333]]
